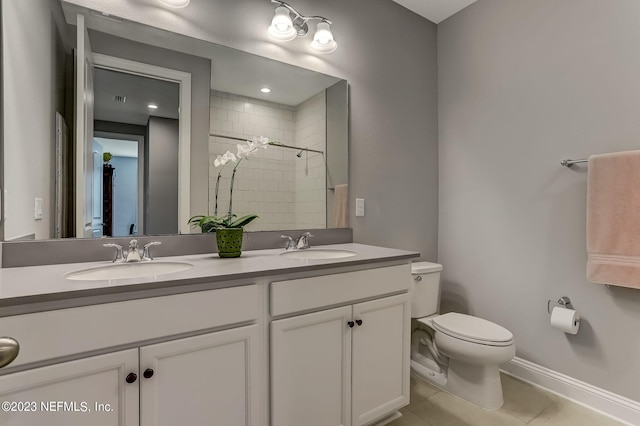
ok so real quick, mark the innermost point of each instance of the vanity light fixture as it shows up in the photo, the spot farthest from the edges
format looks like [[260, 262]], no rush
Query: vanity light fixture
[[152, 106], [323, 41], [289, 23], [176, 3]]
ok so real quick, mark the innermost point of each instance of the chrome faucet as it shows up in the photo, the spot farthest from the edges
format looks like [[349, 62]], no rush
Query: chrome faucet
[[146, 251], [291, 245], [133, 253], [118, 257], [301, 243]]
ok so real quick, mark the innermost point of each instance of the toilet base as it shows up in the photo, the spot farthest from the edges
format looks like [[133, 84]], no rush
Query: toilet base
[[425, 373], [478, 384], [466, 369]]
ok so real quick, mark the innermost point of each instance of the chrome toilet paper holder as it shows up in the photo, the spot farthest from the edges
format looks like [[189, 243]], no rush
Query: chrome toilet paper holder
[[564, 301]]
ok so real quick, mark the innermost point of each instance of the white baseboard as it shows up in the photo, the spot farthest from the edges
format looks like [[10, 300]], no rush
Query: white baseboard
[[605, 402]]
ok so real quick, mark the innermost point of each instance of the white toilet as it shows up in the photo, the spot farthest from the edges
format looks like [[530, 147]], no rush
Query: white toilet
[[459, 353]]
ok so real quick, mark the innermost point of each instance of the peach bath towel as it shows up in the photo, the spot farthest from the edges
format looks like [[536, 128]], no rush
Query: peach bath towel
[[613, 219]]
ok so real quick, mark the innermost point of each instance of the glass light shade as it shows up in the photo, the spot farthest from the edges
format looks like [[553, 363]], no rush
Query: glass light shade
[[323, 41], [176, 3], [281, 28]]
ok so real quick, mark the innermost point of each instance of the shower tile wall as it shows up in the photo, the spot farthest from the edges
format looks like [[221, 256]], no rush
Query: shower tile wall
[[272, 183], [310, 180]]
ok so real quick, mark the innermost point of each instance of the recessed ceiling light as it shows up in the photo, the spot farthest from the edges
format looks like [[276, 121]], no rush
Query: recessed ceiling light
[[265, 90], [152, 106], [176, 3]]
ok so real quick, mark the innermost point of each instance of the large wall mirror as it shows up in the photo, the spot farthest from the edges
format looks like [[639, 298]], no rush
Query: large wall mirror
[[112, 128]]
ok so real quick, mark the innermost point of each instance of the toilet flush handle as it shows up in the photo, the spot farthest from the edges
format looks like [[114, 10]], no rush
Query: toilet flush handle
[[418, 278]]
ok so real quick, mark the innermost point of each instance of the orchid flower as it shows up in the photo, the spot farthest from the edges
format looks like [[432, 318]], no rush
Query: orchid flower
[[229, 156], [243, 151], [246, 150], [261, 142]]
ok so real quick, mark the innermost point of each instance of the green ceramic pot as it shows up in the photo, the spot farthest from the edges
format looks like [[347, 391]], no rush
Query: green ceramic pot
[[229, 242]]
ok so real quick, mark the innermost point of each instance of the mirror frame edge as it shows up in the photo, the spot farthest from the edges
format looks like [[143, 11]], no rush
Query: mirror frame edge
[[1, 131]]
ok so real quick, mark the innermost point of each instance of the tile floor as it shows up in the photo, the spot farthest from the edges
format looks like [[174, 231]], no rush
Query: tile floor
[[523, 405]]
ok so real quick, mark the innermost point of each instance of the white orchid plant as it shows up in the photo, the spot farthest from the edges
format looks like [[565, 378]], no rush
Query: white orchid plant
[[230, 220]]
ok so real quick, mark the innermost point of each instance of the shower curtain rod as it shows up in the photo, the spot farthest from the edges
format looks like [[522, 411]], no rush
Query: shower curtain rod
[[273, 143]]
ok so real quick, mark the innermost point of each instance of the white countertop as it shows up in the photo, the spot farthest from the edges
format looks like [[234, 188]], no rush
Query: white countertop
[[37, 284]]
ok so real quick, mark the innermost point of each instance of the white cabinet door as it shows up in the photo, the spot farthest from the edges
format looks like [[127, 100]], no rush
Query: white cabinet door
[[202, 380], [90, 391], [311, 369], [380, 345]]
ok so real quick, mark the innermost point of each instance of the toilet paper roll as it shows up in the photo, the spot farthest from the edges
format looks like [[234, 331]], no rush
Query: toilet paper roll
[[565, 319]]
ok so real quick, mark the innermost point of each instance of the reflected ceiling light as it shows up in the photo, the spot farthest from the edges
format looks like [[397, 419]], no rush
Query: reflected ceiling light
[[265, 90], [152, 106], [289, 23], [176, 3]]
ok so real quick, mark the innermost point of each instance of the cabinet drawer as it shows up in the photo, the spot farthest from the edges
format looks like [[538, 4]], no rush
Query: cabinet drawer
[[310, 293], [47, 335]]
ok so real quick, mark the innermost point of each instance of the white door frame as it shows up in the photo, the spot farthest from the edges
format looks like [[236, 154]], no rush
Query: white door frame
[[184, 114], [83, 131]]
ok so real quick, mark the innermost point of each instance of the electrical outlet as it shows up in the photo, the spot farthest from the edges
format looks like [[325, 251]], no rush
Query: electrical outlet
[[359, 207]]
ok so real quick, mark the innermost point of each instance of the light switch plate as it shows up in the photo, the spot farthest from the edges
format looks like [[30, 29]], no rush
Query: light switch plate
[[38, 212], [359, 207]]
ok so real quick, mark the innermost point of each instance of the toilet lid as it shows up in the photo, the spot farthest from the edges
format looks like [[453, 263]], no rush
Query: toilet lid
[[471, 328]]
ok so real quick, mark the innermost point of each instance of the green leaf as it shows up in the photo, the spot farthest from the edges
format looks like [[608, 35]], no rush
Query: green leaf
[[211, 223], [194, 221], [243, 221]]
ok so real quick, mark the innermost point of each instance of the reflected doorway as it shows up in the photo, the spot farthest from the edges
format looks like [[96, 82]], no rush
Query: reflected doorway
[[137, 124], [122, 183]]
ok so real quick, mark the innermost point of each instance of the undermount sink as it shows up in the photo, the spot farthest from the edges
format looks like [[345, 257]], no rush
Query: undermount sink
[[318, 254], [119, 271]]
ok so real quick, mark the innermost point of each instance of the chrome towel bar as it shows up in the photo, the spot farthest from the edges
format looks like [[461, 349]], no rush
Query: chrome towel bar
[[570, 163]]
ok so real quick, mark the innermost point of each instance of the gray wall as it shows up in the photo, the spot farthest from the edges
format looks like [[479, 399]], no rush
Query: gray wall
[[161, 177], [122, 128], [522, 85], [34, 55], [393, 154], [200, 70]]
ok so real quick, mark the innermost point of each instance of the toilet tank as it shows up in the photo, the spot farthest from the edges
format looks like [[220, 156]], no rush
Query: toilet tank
[[425, 289]]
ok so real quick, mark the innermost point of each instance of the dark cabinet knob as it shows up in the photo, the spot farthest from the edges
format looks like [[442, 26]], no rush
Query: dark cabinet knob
[[351, 324], [131, 377], [359, 322], [148, 373]]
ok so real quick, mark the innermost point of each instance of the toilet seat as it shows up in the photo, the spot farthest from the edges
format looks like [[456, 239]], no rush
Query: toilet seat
[[472, 329]]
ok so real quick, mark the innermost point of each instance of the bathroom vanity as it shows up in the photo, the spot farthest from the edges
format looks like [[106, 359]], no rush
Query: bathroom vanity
[[264, 339]]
